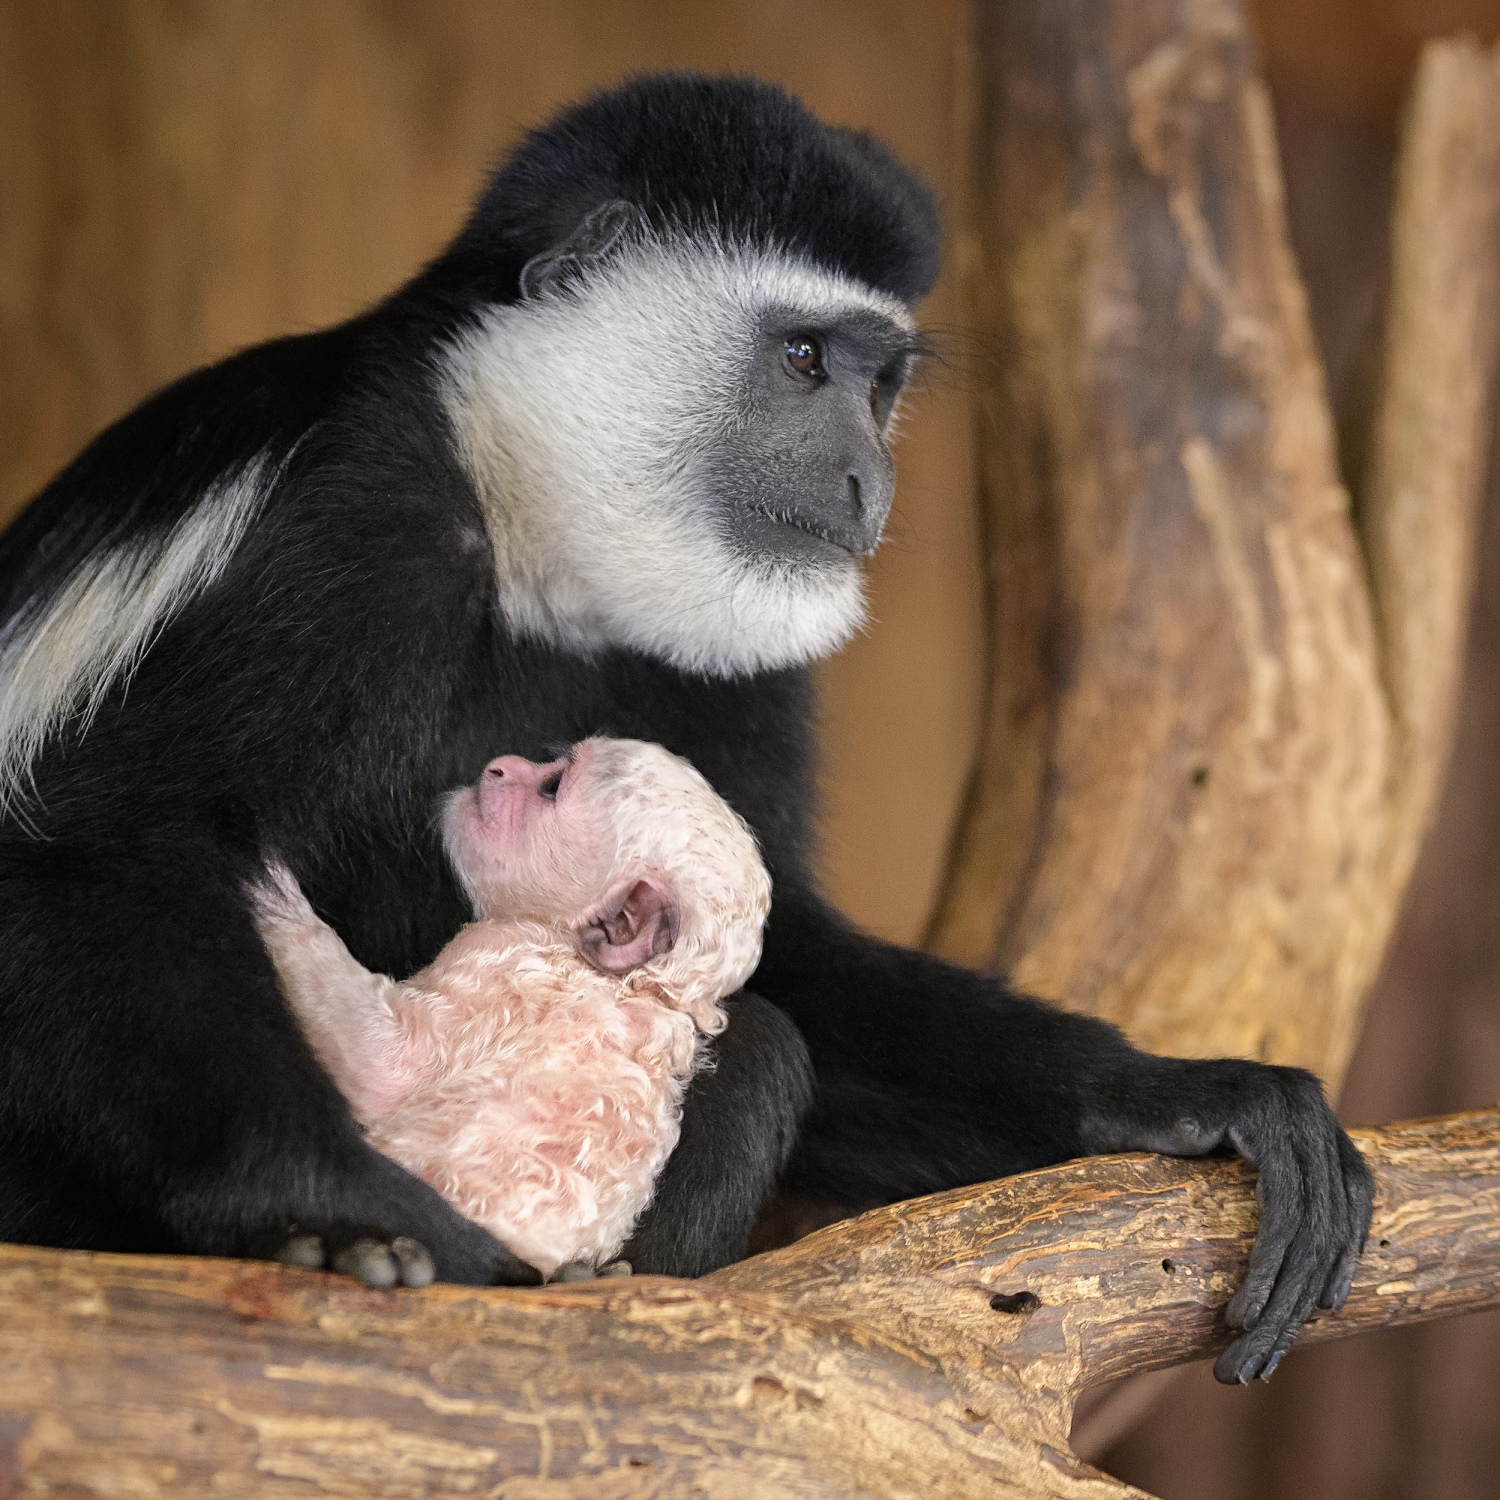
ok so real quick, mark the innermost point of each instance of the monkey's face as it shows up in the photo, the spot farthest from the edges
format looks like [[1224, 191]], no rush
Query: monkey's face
[[677, 419], [540, 842], [806, 474]]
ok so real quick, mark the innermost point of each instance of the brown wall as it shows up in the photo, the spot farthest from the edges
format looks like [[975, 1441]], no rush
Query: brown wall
[[180, 179], [1356, 56]]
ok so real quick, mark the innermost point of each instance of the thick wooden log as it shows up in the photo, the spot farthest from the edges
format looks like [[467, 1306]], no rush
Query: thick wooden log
[[935, 1347], [1211, 747]]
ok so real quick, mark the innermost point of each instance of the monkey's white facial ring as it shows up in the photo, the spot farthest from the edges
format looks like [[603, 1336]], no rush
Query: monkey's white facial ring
[[608, 474]]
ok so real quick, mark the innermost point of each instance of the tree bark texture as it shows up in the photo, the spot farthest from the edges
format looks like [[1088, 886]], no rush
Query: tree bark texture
[[1221, 703], [934, 1347]]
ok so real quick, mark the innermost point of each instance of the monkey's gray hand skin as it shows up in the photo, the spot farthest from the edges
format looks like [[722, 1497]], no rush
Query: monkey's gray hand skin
[[381, 1260], [402, 1262], [1314, 1190]]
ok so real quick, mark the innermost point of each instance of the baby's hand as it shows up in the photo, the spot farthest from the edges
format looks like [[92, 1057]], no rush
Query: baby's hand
[[276, 899]]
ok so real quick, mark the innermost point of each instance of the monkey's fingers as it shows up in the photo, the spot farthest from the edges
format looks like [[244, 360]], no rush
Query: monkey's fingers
[[368, 1261], [304, 1250], [401, 1261], [582, 1270], [413, 1260]]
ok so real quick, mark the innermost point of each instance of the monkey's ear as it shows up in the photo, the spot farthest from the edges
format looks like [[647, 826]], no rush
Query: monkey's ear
[[594, 238], [636, 927]]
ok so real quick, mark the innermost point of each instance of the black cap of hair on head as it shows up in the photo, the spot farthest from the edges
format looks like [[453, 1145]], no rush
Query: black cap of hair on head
[[733, 157]]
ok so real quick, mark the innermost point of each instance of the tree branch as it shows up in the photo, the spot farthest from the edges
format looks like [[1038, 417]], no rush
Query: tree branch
[[934, 1347]]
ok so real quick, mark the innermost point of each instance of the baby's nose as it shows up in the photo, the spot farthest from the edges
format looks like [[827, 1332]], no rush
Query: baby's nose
[[528, 775]]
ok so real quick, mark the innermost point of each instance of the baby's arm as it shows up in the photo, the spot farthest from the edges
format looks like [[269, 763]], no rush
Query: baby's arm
[[352, 1018]]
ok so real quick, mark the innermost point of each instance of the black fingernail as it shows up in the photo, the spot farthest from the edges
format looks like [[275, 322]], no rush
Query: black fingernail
[[1272, 1363], [1342, 1295], [1247, 1370]]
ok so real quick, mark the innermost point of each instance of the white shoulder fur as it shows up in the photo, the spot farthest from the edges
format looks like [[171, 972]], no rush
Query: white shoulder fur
[[582, 417], [63, 659]]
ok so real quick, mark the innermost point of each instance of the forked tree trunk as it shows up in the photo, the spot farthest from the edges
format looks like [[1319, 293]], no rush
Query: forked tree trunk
[[1222, 699], [1222, 704], [1220, 712]]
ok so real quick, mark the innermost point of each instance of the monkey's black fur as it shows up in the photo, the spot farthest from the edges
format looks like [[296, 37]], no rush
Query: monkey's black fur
[[351, 665], [725, 156]]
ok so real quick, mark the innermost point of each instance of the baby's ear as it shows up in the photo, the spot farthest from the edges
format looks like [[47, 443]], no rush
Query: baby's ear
[[638, 925]]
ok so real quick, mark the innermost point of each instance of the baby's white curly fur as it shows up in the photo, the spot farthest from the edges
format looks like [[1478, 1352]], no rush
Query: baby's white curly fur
[[539, 1095]]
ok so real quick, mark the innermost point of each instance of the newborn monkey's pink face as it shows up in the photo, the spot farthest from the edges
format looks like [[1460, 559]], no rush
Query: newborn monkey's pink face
[[526, 840]]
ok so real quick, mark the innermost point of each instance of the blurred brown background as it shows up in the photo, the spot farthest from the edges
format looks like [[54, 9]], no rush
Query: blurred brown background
[[183, 177]]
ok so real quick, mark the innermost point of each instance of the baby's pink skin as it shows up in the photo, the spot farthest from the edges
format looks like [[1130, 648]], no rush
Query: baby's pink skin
[[536, 1089], [499, 824], [529, 840]]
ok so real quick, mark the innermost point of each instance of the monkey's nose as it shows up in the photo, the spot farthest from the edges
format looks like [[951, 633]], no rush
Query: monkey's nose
[[870, 494]]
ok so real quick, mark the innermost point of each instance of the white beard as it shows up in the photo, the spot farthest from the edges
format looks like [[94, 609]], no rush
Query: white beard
[[585, 419]]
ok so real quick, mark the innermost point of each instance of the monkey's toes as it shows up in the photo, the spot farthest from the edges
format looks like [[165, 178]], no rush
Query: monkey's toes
[[402, 1262], [370, 1262], [304, 1250], [575, 1270], [416, 1266]]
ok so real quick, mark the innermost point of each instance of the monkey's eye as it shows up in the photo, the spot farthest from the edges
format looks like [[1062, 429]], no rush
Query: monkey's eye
[[804, 354], [548, 788]]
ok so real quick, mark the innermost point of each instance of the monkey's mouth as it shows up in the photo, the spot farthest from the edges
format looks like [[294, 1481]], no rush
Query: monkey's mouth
[[855, 544]]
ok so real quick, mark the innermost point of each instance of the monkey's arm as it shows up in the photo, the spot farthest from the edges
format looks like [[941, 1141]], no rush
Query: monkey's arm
[[355, 1020], [930, 1076], [740, 1120]]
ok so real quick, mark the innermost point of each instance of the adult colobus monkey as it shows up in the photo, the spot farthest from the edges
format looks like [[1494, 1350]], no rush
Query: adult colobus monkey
[[607, 466]]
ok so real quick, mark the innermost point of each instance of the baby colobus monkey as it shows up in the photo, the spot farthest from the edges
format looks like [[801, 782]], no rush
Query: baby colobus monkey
[[534, 1072]]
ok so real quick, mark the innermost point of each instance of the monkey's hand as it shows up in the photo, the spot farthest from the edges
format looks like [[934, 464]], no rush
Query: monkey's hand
[[1314, 1190], [402, 1261], [371, 1219], [380, 1259]]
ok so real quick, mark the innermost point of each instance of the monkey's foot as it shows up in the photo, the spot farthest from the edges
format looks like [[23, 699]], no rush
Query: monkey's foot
[[401, 1261], [581, 1270]]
